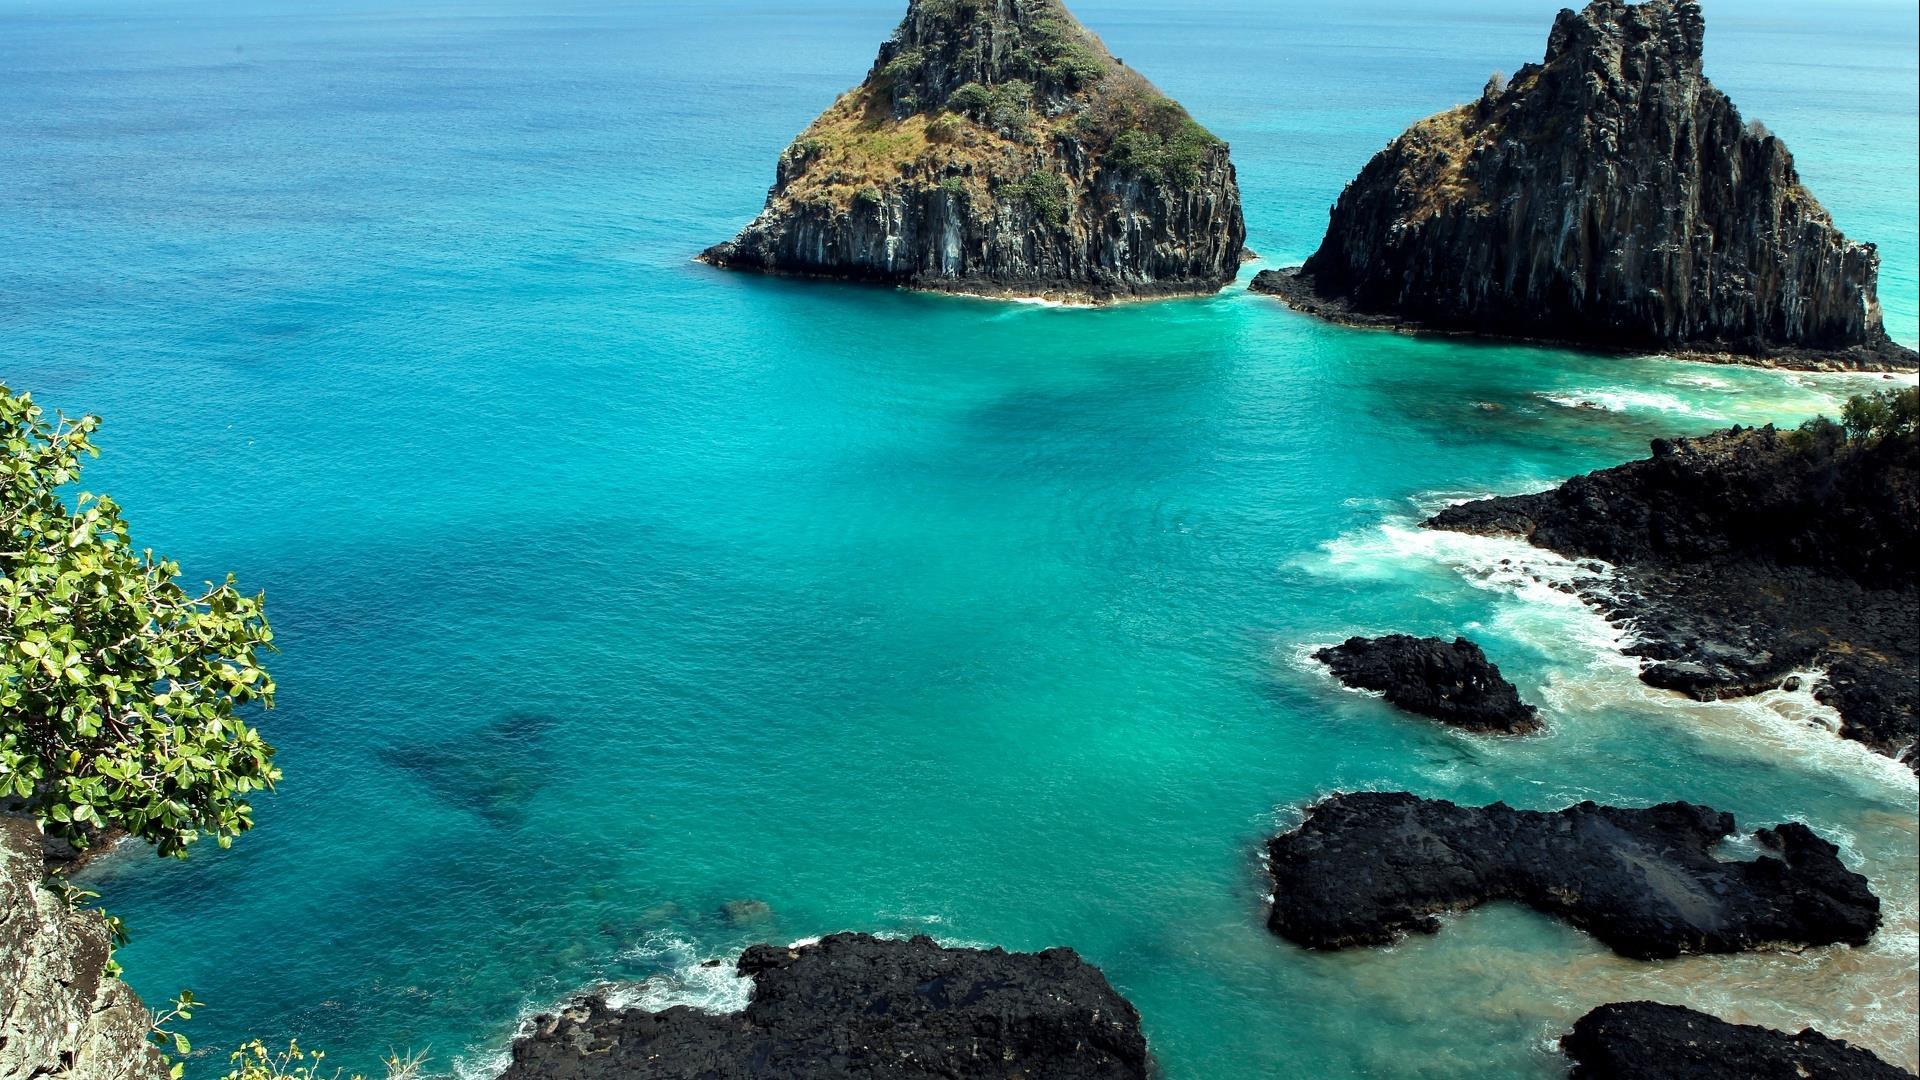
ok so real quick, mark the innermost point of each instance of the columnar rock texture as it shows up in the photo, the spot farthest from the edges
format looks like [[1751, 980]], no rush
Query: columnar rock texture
[[858, 1006], [1367, 867], [61, 1016], [1452, 682], [1645, 1040], [1610, 195], [1747, 554], [997, 148]]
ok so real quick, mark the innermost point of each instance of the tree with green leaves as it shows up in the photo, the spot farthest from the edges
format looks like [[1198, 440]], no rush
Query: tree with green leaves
[[122, 694], [1881, 414]]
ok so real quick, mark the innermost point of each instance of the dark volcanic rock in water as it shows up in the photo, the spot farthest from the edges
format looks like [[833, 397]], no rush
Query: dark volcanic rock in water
[[1454, 682], [1645, 1040], [1367, 867], [1610, 195], [1747, 554], [997, 148], [853, 1006]]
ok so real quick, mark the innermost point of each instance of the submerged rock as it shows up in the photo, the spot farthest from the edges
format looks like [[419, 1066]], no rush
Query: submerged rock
[[1453, 683], [1367, 867], [1745, 555], [853, 1005], [1610, 195], [1645, 1040], [997, 148], [61, 1016]]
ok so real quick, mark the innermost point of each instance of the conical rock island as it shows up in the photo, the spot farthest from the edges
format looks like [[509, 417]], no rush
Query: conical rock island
[[1611, 196], [998, 148]]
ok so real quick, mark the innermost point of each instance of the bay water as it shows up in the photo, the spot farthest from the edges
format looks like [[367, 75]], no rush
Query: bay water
[[618, 596]]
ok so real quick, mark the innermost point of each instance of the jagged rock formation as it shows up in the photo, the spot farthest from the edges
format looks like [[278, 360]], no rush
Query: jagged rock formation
[[1645, 1040], [1609, 196], [997, 148], [1453, 683], [858, 1006], [1367, 867], [61, 1016], [1743, 556]]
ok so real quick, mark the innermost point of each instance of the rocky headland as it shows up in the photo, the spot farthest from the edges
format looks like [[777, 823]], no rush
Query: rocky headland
[[1367, 867], [1609, 196], [852, 1005], [1645, 1040], [1743, 556], [1452, 682], [62, 1016], [997, 148]]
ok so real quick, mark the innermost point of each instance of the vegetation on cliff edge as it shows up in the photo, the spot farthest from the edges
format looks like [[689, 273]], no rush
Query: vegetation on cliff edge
[[120, 691]]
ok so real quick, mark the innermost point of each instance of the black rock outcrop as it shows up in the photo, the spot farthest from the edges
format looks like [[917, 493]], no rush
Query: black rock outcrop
[[1610, 196], [1367, 867], [1744, 555], [1453, 683], [997, 148], [1645, 1040], [858, 1006]]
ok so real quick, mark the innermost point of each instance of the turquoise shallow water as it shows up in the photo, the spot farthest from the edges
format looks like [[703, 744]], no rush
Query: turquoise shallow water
[[612, 589]]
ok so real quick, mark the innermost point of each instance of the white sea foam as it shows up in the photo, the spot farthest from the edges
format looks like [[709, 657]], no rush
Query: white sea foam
[[1592, 671], [689, 979], [1626, 400]]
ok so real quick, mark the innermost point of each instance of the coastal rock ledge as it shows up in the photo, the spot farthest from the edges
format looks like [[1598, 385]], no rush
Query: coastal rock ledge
[[1610, 196], [1645, 1040], [1453, 683], [1366, 867], [62, 1017], [1744, 556], [997, 148], [852, 1005]]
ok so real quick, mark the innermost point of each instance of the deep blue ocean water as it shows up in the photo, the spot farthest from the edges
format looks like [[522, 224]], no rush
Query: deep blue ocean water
[[611, 588]]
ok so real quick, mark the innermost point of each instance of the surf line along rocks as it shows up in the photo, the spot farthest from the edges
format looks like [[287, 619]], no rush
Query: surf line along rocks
[[1744, 555], [1364, 868], [851, 1005], [1453, 683]]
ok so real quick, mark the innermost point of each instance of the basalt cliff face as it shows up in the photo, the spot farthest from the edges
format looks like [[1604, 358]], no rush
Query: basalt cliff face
[[1611, 196], [61, 1016], [998, 148]]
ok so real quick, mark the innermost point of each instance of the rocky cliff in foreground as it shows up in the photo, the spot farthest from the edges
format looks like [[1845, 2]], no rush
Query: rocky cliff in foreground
[[852, 1005], [997, 148], [61, 1016], [1743, 556], [1645, 1040], [1611, 196]]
